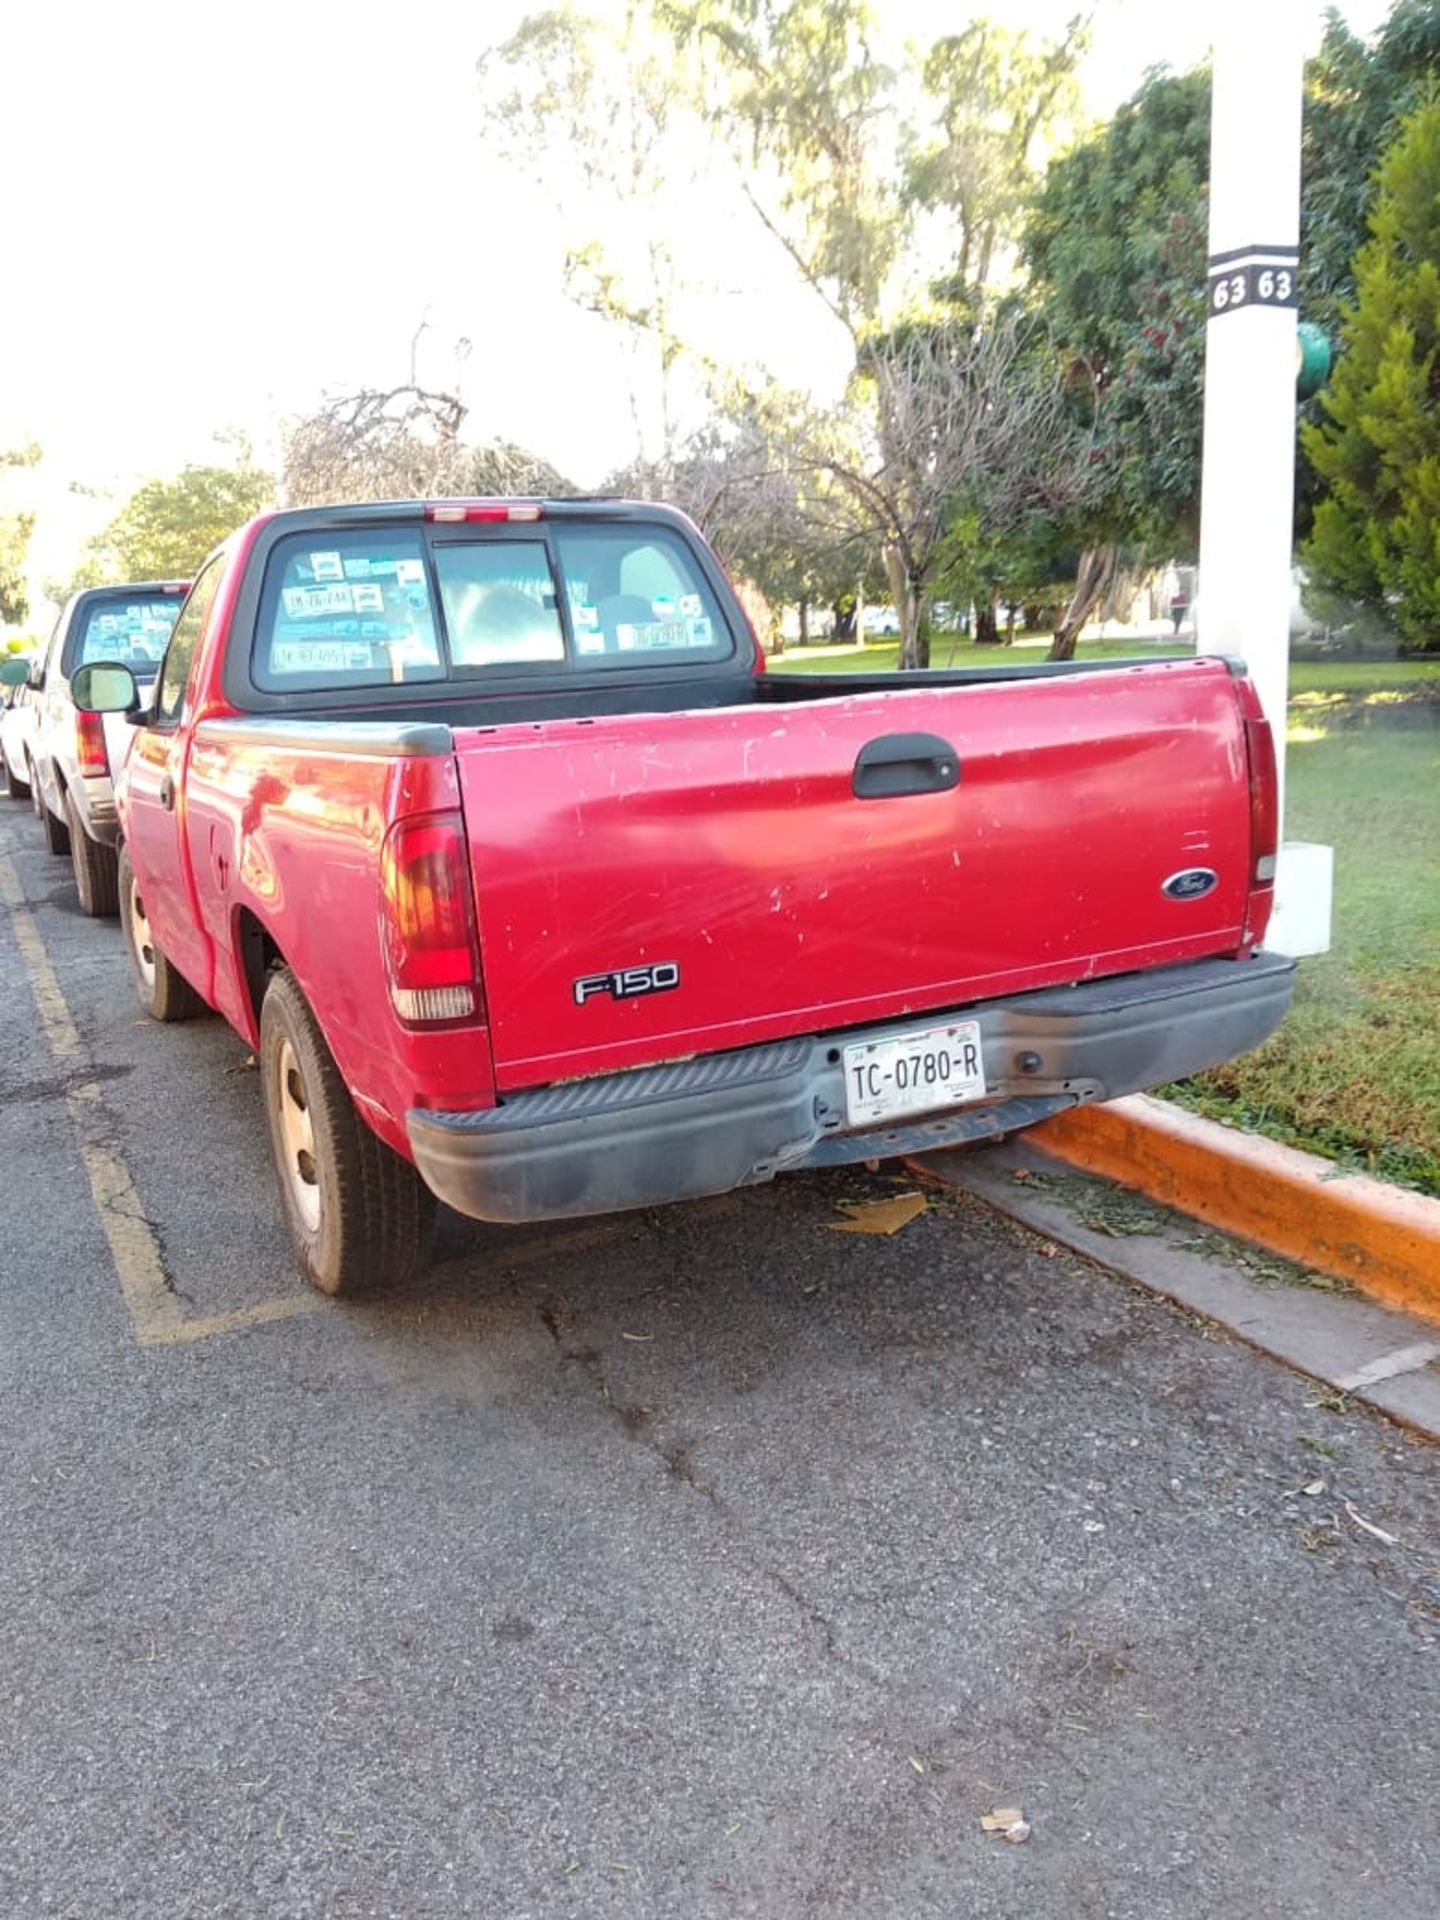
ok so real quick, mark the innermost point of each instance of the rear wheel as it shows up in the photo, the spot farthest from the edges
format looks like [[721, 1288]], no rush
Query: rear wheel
[[57, 834], [359, 1215], [17, 788], [97, 878], [165, 994]]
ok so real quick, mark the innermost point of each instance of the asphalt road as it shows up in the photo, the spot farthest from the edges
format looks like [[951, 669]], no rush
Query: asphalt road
[[703, 1562]]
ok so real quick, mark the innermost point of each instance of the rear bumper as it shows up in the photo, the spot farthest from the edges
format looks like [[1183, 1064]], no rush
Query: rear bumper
[[728, 1120]]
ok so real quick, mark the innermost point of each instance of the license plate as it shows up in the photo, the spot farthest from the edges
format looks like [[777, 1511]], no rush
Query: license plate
[[891, 1079]]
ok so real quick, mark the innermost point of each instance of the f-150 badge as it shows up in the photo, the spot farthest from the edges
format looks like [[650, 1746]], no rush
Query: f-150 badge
[[628, 983]]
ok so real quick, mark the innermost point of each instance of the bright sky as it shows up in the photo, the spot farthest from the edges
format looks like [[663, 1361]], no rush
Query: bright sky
[[213, 215]]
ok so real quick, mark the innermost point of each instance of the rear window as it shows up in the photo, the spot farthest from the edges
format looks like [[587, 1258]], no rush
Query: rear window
[[135, 629], [635, 594], [347, 610], [367, 607]]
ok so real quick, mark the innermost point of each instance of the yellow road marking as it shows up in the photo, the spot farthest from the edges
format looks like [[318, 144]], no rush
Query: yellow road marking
[[156, 1314]]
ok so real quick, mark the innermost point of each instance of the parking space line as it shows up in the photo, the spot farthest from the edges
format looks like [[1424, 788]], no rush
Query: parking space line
[[156, 1314]]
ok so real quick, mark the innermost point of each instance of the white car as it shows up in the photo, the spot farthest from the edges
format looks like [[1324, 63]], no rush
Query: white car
[[18, 715], [74, 756]]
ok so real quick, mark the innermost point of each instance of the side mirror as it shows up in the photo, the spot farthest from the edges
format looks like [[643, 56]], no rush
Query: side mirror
[[14, 672], [105, 687]]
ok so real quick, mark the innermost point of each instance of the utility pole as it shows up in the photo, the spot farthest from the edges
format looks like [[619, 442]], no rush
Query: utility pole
[[1247, 496]]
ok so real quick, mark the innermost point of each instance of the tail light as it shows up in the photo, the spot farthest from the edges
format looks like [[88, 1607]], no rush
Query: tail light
[[432, 957], [1264, 810], [90, 743]]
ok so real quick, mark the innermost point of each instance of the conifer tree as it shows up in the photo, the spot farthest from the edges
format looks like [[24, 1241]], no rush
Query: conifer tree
[[1376, 534]]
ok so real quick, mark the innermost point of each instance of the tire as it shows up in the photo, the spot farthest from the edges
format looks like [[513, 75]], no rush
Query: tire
[[360, 1216], [17, 788], [37, 799], [165, 993], [97, 874], [57, 834]]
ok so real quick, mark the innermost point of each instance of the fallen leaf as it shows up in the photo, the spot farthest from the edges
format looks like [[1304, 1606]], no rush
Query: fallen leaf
[[1002, 1818], [879, 1216], [1313, 1488], [1019, 1833]]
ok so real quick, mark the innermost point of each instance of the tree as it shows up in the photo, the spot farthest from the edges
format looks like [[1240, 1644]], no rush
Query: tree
[[166, 527], [995, 94], [1115, 247], [1376, 534], [15, 532], [795, 86], [403, 443], [1357, 93], [602, 116], [397, 443], [955, 431], [797, 95]]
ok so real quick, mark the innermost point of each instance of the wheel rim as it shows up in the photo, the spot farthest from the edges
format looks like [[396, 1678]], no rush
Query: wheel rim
[[297, 1138], [141, 943]]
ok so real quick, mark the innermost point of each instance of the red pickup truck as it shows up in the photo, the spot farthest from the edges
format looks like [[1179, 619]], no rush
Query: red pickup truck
[[483, 824]]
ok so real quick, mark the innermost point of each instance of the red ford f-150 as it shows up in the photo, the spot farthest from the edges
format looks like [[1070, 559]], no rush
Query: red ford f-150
[[484, 826]]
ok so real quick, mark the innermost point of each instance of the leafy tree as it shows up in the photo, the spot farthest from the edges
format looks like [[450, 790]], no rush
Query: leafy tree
[[602, 114], [795, 86], [1116, 247], [994, 94], [15, 532], [1357, 93], [1376, 535], [167, 527], [856, 174], [794, 89]]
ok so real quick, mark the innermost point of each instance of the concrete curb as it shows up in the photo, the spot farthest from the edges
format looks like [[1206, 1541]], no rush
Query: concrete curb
[[1383, 1239]]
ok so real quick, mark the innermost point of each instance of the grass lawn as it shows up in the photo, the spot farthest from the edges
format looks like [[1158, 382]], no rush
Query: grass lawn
[[1354, 1071], [953, 650]]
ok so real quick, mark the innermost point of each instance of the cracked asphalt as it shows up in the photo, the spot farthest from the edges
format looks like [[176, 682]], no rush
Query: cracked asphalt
[[696, 1563]]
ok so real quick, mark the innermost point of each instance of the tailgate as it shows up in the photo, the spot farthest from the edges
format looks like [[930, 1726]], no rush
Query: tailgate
[[656, 885]]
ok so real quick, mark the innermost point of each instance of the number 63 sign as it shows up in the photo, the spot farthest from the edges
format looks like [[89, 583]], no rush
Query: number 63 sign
[[1249, 283]]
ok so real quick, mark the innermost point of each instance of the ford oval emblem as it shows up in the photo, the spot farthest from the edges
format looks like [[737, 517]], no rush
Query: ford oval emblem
[[1191, 884]]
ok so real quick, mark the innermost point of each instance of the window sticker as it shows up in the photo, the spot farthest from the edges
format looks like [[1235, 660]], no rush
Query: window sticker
[[653, 633], [367, 598], [691, 606], [409, 573], [700, 632], [586, 616], [663, 608], [308, 603], [589, 640], [326, 566], [106, 622], [320, 656]]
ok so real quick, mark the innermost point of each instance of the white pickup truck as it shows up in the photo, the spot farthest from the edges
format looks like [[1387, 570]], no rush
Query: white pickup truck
[[72, 757]]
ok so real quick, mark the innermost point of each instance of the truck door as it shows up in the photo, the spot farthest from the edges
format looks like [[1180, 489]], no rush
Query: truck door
[[155, 814]]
